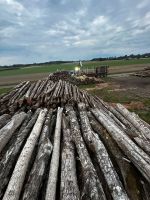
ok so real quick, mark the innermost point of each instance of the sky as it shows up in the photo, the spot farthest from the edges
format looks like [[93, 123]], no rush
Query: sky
[[45, 30]]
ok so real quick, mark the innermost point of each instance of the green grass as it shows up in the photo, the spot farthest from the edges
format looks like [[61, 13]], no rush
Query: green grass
[[5, 90], [70, 66]]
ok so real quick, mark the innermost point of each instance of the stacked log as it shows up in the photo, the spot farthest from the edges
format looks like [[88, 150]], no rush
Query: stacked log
[[59, 142], [75, 80], [143, 73]]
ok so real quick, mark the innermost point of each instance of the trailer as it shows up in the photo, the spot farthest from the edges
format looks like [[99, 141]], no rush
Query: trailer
[[101, 71]]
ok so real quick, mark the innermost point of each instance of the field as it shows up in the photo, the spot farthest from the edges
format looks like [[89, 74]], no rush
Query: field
[[70, 66], [32, 73], [134, 92]]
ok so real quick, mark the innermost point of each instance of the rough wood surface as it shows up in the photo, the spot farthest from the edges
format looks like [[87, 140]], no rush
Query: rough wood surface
[[52, 180], [16, 182], [7, 131], [115, 186], [69, 186], [140, 159], [92, 188], [34, 183]]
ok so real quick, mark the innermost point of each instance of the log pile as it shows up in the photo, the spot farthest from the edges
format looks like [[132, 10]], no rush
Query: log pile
[[58, 142], [75, 80], [143, 73]]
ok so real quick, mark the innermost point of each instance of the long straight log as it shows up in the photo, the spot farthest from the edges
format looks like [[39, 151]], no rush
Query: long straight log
[[7, 131], [11, 152], [130, 177], [52, 180], [140, 126], [140, 159], [16, 182], [69, 187], [115, 186], [34, 183], [92, 188]]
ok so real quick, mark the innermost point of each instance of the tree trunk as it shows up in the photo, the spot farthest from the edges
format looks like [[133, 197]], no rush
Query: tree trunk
[[17, 179], [115, 186], [7, 131], [11, 152], [129, 175], [34, 183], [92, 188], [69, 187], [140, 159], [52, 180], [140, 126]]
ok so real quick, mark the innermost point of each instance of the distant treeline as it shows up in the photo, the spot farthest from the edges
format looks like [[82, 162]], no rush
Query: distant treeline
[[126, 57], [16, 66]]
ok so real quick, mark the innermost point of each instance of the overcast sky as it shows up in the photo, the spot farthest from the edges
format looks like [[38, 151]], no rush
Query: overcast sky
[[44, 30]]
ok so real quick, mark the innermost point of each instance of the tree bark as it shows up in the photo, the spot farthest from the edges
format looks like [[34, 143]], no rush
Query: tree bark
[[7, 131], [92, 188], [17, 179], [140, 159], [69, 187], [129, 175], [34, 183], [140, 126], [52, 180], [11, 152], [94, 143]]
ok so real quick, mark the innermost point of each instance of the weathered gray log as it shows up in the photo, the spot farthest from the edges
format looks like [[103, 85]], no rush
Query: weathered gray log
[[16, 182], [129, 175], [92, 188], [7, 131], [11, 151], [69, 187], [115, 186], [140, 126], [4, 120], [139, 158], [52, 180], [34, 183]]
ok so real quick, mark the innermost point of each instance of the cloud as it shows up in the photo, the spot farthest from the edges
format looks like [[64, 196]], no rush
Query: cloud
[[38, 31]]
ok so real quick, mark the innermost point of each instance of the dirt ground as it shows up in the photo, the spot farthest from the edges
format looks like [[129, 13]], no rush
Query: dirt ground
[[137, 85]]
